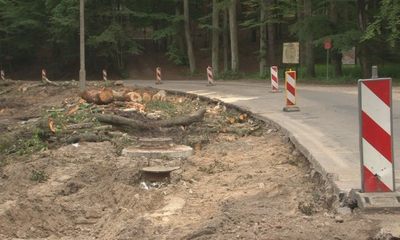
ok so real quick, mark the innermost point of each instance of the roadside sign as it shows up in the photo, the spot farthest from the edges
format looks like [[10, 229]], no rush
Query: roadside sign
[[328, 43]]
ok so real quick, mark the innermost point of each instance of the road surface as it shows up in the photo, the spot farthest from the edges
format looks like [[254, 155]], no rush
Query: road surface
[[325, 130]]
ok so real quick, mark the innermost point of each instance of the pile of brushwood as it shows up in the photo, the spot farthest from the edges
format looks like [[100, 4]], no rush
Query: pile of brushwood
[[109, 112]]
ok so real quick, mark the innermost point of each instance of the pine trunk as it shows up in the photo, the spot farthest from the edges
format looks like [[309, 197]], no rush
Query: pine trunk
[[234, 37], [192, 60]]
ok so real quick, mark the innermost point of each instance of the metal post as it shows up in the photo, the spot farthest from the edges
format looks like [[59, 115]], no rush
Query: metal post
[[82, 71], [327, 65], [374, 71]]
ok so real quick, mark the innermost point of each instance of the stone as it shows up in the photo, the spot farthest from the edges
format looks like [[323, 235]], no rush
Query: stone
[[339, 219]]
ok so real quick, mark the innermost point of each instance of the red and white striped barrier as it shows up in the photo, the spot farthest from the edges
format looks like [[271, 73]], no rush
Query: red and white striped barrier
[[376, 145], [44, 75], [104, 74], [274, 80], [3, 76], [210, 76], [290, 82], [158, 75]]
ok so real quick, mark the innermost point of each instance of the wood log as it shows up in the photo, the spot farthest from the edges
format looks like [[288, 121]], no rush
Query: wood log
[[160, 96], [134, 96], [91, 96], [122, 121], [185, 120], [121, 96], [147, 97], [106, 95]]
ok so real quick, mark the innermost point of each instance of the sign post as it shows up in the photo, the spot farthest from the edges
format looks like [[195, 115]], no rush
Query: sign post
[[327, 46]]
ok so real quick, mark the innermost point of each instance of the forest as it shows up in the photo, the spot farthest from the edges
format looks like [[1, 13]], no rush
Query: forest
[[44, 33]]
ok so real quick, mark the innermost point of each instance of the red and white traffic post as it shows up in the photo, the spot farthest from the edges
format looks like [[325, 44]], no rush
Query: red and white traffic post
[[274, 80], [158, 76], [104, 74], [290, 83], [376, 131], [3, 76], [210, 76]]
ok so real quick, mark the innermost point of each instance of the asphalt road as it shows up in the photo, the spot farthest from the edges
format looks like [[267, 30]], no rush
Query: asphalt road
[[326, 129]]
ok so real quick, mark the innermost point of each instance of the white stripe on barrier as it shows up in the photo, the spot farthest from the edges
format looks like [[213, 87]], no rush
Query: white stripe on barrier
[[291, 81], [375, 108]]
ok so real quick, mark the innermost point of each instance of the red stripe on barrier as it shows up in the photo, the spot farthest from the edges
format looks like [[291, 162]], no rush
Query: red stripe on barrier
[[376, 136], [372, 183], [380, 89]]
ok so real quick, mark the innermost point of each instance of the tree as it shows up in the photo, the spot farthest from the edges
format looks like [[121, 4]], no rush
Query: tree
[[263, 37], [192, 60], [386, 21], [215, 37], [271, 32], [233, 36], [309, 48], [363, 48], [336, 55]]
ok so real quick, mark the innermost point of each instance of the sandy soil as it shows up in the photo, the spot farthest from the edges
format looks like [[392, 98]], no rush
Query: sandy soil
[[237, 186]]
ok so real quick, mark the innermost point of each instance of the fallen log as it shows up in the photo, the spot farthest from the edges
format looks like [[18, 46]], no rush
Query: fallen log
[[123, 121], [185, 120]]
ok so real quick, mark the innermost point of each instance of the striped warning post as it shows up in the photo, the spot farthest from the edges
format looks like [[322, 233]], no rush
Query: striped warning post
[[158, 75], [104, 74], [210, 76], [274, 80], [44, 75], [376, 145], [290, 83], [3, 76]]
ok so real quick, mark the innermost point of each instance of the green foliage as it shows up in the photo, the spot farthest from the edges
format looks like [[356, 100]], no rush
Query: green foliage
[[387, 21], [39, 176], [167, 107], [229, 75], [26, 146]]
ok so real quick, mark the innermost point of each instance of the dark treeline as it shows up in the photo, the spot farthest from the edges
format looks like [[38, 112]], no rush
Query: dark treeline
[[42, 32]]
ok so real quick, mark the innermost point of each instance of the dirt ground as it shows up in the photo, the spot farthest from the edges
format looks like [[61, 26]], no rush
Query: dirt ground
[[247, 184]]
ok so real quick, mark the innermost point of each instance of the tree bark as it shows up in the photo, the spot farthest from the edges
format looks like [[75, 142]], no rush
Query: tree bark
[[302, 46], [225, 38], [309, 48], [363, 49], [336, 56], [215, 38], [271, 34], [234, 37], [192, 60], [263, 37]]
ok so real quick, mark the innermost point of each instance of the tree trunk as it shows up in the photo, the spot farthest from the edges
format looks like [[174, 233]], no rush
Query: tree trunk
[[309, 51], [302, 45], [271, 34], [336, 56], [215, 38], [225, 39], [179, 37], [263, 37], [234, 37], [363, 49], [192, 60]]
